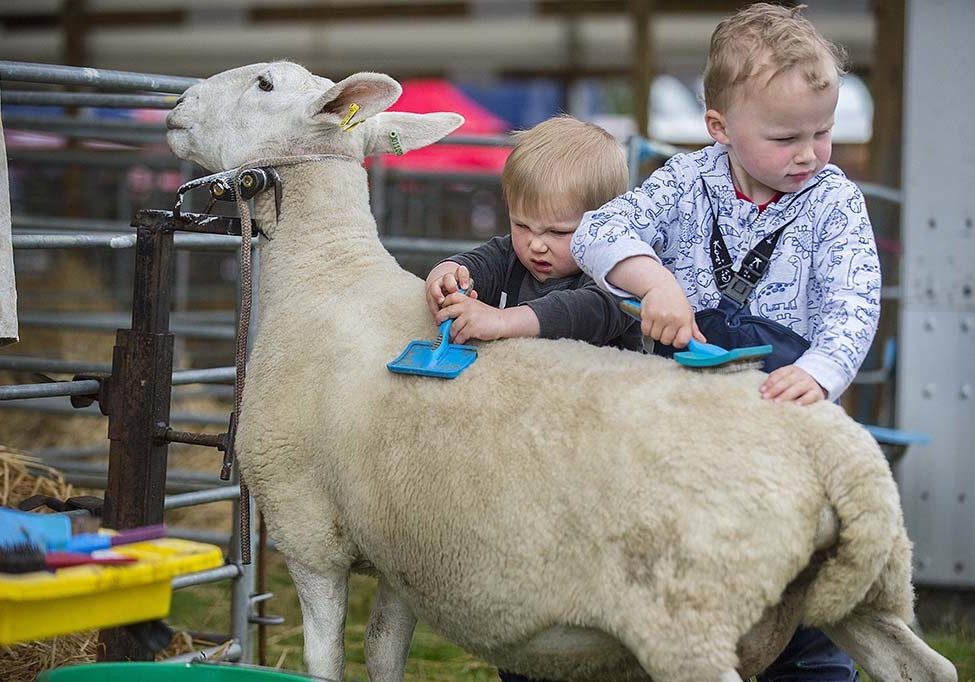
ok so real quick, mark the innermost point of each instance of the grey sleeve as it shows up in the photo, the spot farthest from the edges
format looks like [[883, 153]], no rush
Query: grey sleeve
[[587, 313], [488, 265]]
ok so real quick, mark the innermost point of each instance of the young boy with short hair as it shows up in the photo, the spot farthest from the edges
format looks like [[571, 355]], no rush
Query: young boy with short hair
[[526, 283], [758, 234]]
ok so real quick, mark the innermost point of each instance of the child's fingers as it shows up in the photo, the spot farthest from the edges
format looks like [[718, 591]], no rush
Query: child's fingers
[[685, 333], [813, 395], [463, 277], [776, 382], [790, 384]]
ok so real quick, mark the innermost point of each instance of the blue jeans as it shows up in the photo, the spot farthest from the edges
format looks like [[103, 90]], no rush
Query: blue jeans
[[809, 657]]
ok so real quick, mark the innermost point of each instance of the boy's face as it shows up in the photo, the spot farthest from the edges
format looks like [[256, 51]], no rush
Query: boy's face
[[778, 134], [542, 242]]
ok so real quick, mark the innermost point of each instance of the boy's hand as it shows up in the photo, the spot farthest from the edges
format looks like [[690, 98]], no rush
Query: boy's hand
[[667, 314], [472, 319], [445, 279], [792, 384]]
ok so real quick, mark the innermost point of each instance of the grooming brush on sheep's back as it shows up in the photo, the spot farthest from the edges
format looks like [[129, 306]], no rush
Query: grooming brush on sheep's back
[[439, 358], [707, 356]]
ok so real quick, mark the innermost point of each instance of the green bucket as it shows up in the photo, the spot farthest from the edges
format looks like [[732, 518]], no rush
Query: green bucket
[[170, 672]]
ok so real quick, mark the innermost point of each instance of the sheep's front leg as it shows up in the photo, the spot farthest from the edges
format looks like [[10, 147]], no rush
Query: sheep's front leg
[[324, 597], [388, 635], [888, 650]]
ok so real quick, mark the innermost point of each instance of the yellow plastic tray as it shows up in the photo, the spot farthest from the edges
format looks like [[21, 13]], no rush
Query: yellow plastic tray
[[44, 604]]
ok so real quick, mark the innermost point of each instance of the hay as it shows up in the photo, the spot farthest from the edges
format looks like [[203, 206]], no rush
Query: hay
[[22, 476], [22, 662]]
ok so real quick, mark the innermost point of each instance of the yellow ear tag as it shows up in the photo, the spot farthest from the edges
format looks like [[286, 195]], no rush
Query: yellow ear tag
[[353, 108], [394, 143]]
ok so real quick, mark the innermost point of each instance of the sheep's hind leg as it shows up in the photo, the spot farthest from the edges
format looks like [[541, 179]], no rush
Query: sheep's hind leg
[[690, 646], [388, 635], [889, 651], [324, 598]]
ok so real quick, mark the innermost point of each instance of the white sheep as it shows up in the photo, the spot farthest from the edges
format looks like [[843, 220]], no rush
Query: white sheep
[[564, 511]]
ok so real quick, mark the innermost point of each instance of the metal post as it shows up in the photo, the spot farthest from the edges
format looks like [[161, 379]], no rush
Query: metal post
[[142, 366], [243, 587], [936, 366]]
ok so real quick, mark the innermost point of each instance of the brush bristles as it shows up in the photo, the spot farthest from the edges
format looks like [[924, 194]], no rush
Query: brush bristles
[[730, 368], [22, 557]]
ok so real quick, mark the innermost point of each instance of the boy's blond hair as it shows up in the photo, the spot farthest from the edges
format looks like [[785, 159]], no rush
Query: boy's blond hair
[[772, 39], [562, 165]]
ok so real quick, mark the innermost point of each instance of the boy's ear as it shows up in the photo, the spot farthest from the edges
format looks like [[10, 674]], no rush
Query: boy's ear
[[715, 124]]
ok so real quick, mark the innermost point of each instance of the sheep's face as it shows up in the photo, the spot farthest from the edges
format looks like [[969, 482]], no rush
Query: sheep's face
[[281, 109], [242, 114]]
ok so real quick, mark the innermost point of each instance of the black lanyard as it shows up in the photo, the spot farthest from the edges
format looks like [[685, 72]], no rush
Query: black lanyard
[[739, 284]]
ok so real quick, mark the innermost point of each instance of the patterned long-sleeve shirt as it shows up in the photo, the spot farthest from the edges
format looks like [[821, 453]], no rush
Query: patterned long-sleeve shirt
[[823, 280]]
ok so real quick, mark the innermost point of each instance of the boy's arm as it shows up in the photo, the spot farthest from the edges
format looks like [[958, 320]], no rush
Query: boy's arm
[[615, 246], [587, 313], [667, 315], [631, 225], [848, 274]]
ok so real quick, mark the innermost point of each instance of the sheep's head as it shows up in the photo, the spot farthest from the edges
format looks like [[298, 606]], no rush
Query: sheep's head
[[281, 109]]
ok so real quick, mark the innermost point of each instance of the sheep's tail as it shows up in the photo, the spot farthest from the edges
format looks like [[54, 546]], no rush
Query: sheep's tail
[[861, 488]]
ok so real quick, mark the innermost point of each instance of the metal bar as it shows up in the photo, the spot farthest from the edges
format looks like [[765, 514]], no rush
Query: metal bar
[[25, 223], [171, 435], [228, 571], [214, 375], [155, 219], [88, 99], [83, 125], [100, 78], [469, 140], [53, 388], [209, 536], [226, 492], [214, 242], [445, 247], [181, 377], [485, 177], [113, 321], [57, 405], [178, 481], [95, 157], [189, 242], [23, 363]]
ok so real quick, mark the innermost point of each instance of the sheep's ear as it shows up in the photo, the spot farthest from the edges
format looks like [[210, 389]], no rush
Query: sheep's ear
[[356, 98], [395, 132]]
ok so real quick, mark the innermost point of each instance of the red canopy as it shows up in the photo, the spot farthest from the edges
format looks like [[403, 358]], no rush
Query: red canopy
[[424, 96]]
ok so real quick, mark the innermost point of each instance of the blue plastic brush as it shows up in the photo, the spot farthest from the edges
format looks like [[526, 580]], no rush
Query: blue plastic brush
[[440, 358], [705, 355]]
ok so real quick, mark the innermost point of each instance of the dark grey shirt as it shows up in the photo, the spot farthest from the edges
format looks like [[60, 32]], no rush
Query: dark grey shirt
[[567, 308]]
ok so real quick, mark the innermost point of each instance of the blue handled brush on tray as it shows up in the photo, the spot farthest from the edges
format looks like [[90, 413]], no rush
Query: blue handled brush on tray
[[34, 542], [707, 355], [439, 358]]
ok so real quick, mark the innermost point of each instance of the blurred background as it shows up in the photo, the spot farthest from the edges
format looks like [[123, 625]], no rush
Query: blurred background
[[79, 170]]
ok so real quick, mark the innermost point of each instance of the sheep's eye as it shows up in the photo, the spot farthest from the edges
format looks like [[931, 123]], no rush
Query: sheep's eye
[[265, 84]]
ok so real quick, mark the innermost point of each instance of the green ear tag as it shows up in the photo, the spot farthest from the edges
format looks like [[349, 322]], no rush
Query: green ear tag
[[344, 123], [394, 141]]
